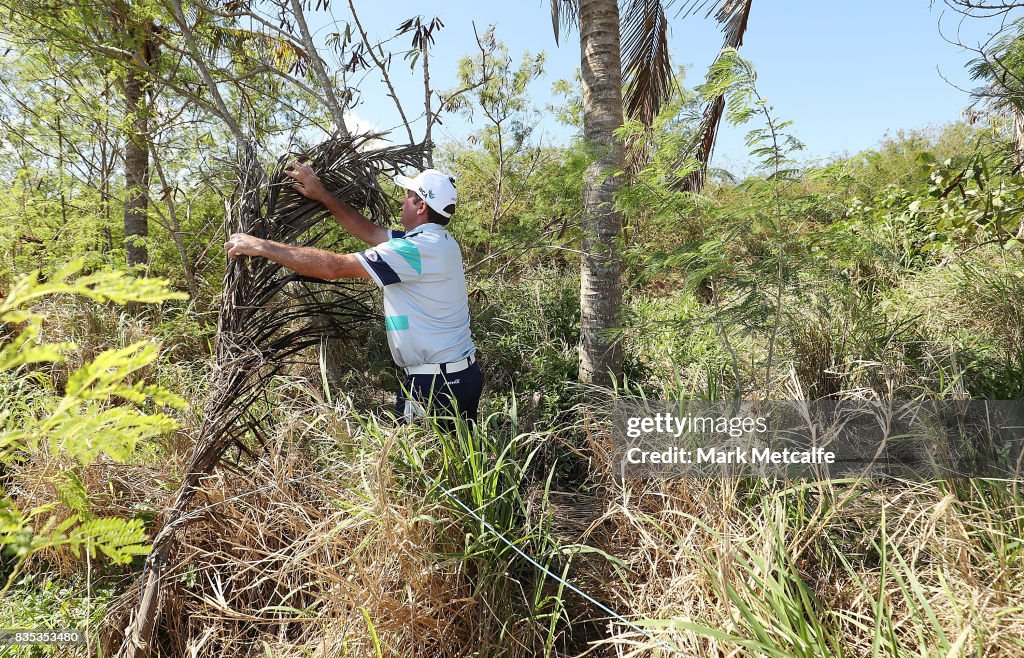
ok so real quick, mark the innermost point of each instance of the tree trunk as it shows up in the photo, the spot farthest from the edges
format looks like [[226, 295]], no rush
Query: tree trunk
[[1018, 138], [108, 151], [600, 267], [136, 169], [428, 154], [107, 238], [174, 227]]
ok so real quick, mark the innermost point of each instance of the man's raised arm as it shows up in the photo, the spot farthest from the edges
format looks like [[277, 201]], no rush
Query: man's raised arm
[[309, 185]]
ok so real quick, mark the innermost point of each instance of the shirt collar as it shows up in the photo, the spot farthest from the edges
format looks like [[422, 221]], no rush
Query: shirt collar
[[429, 226]]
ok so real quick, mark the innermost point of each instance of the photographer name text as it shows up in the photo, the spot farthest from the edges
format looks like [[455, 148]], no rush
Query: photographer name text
[[730, 456]]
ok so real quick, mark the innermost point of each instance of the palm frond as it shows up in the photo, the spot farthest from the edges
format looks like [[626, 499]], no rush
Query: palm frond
[[646, 73], [268, 314], [646, 65], [703, 146], [564, 13], [733, 16], [1001, 67]]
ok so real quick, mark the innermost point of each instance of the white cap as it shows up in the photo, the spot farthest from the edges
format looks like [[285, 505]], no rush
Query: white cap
[[434, 187]]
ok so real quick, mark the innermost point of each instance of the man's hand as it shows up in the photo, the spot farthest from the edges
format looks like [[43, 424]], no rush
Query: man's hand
[[307, 183], [306, 261], [242, 244]]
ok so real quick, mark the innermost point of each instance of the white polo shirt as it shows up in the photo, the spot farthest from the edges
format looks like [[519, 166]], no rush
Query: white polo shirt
[[426, 310]]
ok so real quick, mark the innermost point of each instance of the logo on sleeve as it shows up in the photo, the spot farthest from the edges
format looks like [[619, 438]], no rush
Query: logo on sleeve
[[371, 255]]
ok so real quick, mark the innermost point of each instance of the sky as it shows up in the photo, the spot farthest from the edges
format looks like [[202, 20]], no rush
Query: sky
[[846, 72]]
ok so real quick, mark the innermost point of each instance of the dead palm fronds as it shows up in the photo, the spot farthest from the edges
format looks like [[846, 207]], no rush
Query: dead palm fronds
[[315, 552], [268, 314], [733, 15]]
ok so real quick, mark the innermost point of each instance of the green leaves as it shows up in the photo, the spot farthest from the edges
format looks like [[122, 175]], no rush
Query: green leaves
[[106, 409], [83, 423], [30, 533], [964, 204], [1000, 66], [110, 286]]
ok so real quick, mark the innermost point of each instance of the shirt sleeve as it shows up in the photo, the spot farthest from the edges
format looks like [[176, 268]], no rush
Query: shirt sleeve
[[395, 261]]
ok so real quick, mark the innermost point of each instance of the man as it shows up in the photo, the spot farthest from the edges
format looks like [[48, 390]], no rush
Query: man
[[420, 271]]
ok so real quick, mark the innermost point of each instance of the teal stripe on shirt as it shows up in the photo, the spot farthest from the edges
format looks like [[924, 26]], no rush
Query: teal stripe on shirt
[[396, 322], [409, 251]]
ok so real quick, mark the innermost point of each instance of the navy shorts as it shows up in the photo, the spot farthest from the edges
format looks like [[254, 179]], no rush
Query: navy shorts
[[445, 394]]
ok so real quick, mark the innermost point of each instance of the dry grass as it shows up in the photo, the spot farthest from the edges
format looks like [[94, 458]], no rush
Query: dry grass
[[335, 546], [340, 552], [108, 489], [730, 568], [325, 550]]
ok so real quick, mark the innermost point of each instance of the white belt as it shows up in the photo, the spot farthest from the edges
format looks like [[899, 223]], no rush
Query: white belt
[[435, 368]]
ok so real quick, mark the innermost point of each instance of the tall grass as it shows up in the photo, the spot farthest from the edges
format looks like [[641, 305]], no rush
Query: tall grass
[[346, 540]]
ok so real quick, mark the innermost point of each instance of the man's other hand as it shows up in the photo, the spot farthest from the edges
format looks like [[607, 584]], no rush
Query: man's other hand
[[306, 181], [242, 244]]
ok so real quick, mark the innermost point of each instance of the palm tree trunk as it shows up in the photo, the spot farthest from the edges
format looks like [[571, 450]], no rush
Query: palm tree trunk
[[136, 170], [600, 267]]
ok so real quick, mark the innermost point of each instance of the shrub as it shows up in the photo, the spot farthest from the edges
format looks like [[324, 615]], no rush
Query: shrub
[[100, 412]]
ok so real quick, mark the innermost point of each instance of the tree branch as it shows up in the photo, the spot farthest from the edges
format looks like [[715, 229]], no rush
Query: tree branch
[[318, 67]]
